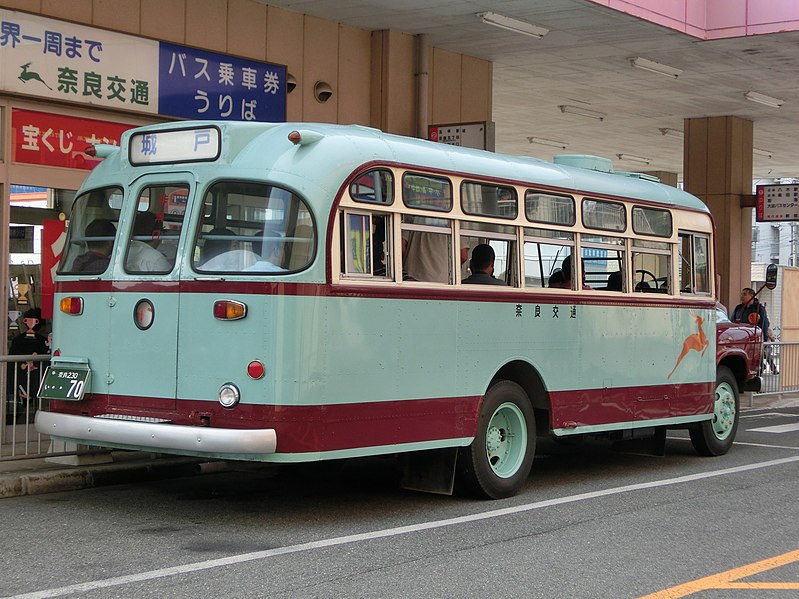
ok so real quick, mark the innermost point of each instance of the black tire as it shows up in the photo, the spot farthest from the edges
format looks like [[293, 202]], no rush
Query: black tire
[[498, 461], [715, 437]]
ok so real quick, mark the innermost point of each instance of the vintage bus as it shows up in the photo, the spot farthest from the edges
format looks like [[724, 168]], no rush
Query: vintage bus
[[307, 303]]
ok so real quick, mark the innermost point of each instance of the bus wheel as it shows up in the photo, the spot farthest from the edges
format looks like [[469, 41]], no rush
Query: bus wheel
[[499, 459], [715, 437]]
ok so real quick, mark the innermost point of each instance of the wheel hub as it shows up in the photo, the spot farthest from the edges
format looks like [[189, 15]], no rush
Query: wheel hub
[[724, 411], [494, 439]]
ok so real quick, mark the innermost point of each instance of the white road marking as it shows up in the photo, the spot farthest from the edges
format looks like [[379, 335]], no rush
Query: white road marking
[[777, 428], [93, 585], [767, 446], [764, 414]]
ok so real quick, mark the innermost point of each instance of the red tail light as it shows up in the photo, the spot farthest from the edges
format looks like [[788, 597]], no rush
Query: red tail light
[[229, 310], [71, 305]]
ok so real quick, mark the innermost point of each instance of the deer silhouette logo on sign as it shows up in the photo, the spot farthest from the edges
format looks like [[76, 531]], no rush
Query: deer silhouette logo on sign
[[27, 75], [697, 342]]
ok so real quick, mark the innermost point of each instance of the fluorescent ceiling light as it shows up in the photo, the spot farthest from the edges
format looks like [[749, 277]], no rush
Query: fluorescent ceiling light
[[515, 25], [764, 99], [548, 142], [655, 67], [582, 111], [634, 158], [671, 132], [759, 152]]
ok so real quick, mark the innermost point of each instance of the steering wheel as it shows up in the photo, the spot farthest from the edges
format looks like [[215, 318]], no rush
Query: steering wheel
[[644, 275]]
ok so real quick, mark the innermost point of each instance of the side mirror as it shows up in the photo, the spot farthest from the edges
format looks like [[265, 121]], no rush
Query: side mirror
[[771, 276]]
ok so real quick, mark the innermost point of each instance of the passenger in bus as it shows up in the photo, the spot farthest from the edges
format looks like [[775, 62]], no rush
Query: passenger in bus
[[267, 251], [614, 282], [142, 253], [558, 280], [426, 256], [566, 269], [482, 267], [100, 234], [216, 243]]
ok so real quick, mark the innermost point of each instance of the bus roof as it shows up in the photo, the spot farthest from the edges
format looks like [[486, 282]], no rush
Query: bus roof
[[328, 154]]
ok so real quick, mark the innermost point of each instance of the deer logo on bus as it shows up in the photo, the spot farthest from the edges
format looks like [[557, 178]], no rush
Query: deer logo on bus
[[697, 342]]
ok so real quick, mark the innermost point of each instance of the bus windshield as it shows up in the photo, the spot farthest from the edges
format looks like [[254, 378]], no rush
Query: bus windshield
[[253, 228], [92, 232]]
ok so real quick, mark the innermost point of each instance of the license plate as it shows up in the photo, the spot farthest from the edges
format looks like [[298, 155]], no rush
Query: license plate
[[65, 382]]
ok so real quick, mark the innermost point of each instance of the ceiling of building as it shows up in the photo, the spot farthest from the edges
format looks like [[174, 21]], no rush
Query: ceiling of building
[[584, 61]]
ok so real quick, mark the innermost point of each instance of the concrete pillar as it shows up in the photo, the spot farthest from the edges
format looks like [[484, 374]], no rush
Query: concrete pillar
[[718, 169]]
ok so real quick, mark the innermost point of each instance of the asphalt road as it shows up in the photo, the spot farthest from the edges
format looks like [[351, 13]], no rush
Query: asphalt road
[[591, 522]]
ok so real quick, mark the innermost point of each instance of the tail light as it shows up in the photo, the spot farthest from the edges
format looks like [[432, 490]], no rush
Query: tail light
[[229, 310], [71, 305]]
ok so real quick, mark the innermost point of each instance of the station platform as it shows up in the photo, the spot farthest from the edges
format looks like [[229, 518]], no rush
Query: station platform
[[49, 475]]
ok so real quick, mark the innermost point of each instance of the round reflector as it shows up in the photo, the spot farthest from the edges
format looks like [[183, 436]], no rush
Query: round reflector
[[255, 369]]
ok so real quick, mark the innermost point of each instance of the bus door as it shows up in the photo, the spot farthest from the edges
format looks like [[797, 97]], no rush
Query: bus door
[[144, 325]]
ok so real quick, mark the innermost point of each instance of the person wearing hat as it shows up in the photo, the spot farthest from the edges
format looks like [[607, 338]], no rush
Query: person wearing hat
[[29, 343]]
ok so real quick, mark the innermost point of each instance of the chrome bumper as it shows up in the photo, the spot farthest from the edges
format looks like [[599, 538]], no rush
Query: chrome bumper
[[169, 438]]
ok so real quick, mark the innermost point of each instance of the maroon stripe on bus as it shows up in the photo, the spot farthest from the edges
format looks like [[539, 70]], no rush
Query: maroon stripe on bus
[[460, 294], [303, 429], [592, 407]]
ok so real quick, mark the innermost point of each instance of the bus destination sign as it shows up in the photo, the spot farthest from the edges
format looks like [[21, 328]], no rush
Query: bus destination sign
[[777, 202], [180, 145]]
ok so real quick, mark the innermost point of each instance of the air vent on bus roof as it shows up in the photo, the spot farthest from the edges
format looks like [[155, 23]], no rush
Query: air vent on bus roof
[[592, 163], [642, 176]]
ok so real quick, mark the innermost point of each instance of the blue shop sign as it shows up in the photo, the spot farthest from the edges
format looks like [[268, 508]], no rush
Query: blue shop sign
[[197, 84]]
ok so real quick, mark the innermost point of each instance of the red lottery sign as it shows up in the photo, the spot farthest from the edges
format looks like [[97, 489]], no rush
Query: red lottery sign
[[54, 140]]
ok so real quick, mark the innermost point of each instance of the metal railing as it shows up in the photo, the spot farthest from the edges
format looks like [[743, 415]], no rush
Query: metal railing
[[18, 437], [780, 369]]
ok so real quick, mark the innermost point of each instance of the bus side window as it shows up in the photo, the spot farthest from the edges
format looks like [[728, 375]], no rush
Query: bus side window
[[694, 265], [427, 249], [365, 243], [501, 238], [544, 252], [651, 266]]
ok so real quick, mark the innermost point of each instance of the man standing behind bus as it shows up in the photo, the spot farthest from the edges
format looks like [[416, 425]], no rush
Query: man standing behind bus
[[751, 311], [482, 266]]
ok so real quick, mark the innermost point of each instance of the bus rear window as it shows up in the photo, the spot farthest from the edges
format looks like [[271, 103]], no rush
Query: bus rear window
[[92, 232], [253, 228]]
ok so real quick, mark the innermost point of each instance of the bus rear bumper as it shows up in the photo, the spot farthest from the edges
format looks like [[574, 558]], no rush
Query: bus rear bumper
[[169, 438]]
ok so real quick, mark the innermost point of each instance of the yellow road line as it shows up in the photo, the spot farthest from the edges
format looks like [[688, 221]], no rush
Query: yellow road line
[[724, 579], [778, 586]]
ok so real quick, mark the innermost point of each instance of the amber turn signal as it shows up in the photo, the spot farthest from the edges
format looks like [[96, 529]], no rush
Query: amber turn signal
[[71, 305], [229, 310]]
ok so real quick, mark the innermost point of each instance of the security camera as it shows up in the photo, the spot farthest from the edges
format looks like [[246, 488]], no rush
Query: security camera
[[322, 91], [291, 83]]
